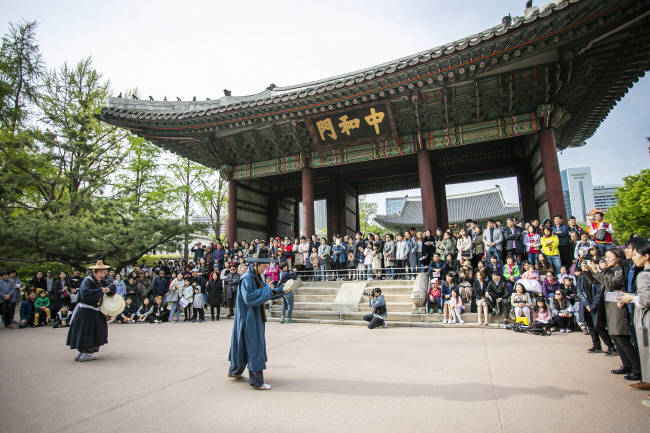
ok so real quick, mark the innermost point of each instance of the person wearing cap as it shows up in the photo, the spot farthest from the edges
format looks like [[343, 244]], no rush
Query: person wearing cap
[[88, 328], [144, 285], [248, 344], [8, 297]]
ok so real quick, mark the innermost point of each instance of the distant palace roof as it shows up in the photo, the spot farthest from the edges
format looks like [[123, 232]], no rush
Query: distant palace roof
[[568, 61], [479, 205]]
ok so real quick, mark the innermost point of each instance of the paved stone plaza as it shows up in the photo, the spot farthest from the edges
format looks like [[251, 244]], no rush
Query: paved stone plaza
[[324, 377]]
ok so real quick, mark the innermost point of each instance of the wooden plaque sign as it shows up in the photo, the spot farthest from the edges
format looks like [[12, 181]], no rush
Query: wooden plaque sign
[[351, 125]]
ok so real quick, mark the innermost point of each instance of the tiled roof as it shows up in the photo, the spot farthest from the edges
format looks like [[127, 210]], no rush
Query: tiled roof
[[480, 205]]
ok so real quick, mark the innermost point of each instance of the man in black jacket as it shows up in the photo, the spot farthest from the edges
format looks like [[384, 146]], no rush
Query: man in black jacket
[[128, 314], [498, 295], [512, 237]]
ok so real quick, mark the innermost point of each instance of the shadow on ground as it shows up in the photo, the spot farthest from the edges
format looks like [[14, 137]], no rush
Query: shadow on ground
[[454, 392]]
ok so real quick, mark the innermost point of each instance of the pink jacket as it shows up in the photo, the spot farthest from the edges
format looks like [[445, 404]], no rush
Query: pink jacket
[[272, 271], [530, 275], [304, 249]]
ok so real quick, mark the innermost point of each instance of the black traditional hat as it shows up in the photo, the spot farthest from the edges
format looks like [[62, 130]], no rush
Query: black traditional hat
[[260, 260]]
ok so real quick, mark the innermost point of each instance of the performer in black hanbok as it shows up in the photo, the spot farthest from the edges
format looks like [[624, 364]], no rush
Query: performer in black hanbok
[[88, 328]]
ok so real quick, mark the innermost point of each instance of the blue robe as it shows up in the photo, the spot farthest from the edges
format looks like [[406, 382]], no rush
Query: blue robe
[[248, 345]]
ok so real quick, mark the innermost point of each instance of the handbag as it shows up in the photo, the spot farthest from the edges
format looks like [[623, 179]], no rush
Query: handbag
[[5, 308], [466, 253], [183, 302], [299, 259]]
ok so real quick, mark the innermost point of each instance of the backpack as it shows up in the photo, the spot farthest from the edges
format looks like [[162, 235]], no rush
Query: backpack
[[601, 234]]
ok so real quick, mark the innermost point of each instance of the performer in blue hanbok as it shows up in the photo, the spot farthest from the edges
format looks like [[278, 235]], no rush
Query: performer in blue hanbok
[[248, 345]]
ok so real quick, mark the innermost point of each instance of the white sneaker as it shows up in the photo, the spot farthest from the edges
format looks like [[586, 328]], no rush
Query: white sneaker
[[453, 321], [263, 387], [461, 321], [444, 321], [236, 376]]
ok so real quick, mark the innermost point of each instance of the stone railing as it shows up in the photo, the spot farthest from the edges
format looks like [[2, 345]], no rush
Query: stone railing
[[420, 290]]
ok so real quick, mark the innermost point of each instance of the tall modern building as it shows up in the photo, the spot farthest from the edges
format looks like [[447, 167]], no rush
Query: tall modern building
[[393, 205], [604, 196], [578, 192], [320, 217]]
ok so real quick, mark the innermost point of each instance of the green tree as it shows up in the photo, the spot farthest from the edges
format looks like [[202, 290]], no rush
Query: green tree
[[630, 214], [367, 211], [212, 200], [188, 180], [53, 203], [21, 71], [141, 181]]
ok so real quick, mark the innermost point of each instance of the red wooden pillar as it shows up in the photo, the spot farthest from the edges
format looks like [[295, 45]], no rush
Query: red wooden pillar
[[428, 195], [552, 179], [231, 221], [308, 226]]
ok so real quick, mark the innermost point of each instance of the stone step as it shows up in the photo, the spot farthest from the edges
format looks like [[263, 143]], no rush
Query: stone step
[[321, 284], [302, 290], [313, 298], [390, 324], [395, 316]]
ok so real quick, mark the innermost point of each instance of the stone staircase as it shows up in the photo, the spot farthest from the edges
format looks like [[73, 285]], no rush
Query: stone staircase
[[314, 303]]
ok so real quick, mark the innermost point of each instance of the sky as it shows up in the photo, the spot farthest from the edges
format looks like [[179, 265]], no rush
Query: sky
[[198, 48]]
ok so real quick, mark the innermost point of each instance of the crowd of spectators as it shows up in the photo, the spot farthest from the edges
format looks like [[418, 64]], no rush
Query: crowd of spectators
[[555, 276]]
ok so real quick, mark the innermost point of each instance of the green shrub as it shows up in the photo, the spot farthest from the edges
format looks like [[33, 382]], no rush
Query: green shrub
[[27, 271]]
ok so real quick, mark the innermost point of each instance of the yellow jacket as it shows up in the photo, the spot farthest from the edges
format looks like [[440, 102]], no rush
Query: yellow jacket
[[552, 249]]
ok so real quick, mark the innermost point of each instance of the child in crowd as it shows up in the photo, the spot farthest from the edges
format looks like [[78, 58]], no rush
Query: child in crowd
[[434, 297], [314, 260], [175, 292], [198, 305], [377, 259], [367, 260], [361, 267], [564, 273], [62, 319], [188, 296], [42, 305], [144, 311], [456, 307], [272, 272], [530, 280], [542, 314], [352, 266]]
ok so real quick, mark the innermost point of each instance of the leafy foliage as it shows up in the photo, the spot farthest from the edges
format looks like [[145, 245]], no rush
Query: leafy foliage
[[57, 203], [367, 210], [21, 69], [630, 214]]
